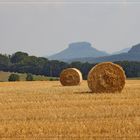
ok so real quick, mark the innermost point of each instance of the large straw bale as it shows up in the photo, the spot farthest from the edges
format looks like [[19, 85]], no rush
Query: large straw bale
[[71, 77], [106, 77]]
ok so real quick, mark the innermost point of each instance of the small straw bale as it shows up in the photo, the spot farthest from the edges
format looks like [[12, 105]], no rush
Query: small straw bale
[[71, 77], [106, 77]]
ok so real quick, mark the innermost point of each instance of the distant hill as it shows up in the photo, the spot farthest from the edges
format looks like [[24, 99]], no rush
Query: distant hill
[[132, 55], [135, 49], [122, 51], [78, 50]]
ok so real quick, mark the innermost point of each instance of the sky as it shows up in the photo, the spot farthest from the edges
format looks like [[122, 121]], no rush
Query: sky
[[45, 27]]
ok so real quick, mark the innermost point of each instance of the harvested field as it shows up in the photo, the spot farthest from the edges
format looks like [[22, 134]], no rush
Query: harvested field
[[47, 110]]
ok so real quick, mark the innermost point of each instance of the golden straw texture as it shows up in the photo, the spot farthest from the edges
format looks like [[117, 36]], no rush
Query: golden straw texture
[[71, 77], [106, 77]]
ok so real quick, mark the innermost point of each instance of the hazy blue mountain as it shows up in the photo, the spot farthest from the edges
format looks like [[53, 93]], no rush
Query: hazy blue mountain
[[132, 55], [135, 49], [78, 50], [122, 51]]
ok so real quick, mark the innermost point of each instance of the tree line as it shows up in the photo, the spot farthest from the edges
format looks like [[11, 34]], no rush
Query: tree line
[[23, 63]]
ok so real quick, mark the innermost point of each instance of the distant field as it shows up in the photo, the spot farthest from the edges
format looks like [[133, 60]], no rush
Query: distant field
[[5, 75], [45, 109], [137, 78]]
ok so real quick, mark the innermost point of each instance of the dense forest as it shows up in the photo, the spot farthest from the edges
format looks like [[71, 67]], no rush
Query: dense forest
[[23, 63]]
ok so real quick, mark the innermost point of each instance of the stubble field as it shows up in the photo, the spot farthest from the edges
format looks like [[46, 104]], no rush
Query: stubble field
[[46, 110]]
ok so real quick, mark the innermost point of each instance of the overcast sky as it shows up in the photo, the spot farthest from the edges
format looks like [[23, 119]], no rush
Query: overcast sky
[[44, 27]]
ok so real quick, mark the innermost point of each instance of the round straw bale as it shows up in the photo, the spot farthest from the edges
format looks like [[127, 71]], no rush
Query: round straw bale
[[106, 77], [71, 77]]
